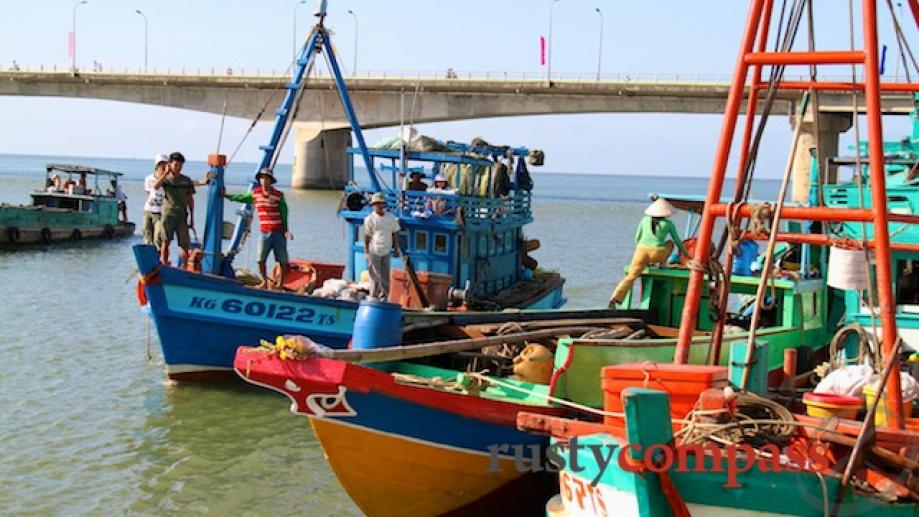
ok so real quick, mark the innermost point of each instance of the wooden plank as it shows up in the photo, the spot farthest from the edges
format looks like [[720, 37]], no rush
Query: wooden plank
[[493, 327], [398, 353]]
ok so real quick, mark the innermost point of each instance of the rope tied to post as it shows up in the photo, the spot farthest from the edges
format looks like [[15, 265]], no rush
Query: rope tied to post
[[761, 218], [716, 283]]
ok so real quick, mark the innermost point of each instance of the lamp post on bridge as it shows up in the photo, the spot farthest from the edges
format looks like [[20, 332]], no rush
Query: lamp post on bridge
[[73, 36], [296, 6], [354, 68], [144, 16], [549, 60], [896, 74], [600, 47]]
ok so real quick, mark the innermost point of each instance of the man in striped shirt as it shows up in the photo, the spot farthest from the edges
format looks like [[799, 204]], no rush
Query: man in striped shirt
[[272, 219]]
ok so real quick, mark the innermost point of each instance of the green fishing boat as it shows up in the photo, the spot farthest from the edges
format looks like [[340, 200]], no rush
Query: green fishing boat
[[67, 208], [645, 467], [901, 164]]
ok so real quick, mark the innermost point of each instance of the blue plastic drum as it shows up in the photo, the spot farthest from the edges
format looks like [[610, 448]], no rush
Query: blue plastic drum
[[377, 325]]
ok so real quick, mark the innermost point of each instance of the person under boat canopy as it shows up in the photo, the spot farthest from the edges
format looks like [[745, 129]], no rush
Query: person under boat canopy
[[415, 182], [653, 245], [438, 204]]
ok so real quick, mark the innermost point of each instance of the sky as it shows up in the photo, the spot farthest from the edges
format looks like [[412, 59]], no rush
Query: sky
[[665, 37]]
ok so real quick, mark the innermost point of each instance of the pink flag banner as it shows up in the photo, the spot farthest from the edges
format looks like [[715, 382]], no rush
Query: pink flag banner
[[542, 50], [70, 44]]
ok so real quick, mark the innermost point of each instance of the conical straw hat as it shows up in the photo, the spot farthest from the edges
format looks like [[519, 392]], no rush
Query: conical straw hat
[[660, 208]]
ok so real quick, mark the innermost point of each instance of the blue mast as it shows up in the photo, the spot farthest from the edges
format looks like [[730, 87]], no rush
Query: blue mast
[[318, 39]]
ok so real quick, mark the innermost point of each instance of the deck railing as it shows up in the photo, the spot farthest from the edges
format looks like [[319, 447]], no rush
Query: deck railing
[[476, 212], [445, 74]]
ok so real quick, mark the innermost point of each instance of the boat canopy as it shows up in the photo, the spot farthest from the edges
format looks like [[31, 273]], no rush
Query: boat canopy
[[79, 169]]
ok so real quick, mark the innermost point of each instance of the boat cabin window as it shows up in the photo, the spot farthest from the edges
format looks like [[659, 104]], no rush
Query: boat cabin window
[[742, 313], [907, 282], [67, 203], [421, 241], [440, 243]]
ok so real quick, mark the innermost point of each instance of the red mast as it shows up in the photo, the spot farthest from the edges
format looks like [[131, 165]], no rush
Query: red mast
[[757, 29]]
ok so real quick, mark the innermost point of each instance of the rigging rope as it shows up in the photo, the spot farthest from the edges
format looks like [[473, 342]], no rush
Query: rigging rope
[[770, 247], [902, 44]]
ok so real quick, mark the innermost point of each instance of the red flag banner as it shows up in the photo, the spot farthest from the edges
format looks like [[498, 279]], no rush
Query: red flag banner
[[542, 51], [70, 44]]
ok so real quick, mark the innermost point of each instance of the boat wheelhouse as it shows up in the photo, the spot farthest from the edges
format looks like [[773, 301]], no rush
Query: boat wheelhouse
[[68, 207], [473, 230]]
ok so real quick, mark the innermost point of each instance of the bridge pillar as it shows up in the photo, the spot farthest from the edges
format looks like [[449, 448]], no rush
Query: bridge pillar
[[825, 131], [320, 161]]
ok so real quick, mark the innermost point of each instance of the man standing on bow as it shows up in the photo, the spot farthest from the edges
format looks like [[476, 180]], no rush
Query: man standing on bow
[[272, 219], [153, 206], [178, 213]]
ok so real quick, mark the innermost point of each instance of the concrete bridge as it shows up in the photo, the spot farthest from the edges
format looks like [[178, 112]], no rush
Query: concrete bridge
[[321, 131]]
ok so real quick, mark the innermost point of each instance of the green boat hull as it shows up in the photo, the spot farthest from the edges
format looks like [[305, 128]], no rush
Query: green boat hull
[[94, 217]]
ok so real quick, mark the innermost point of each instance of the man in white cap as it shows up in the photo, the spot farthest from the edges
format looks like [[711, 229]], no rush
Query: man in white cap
[[153, 206], [652, 245], [380, 236]]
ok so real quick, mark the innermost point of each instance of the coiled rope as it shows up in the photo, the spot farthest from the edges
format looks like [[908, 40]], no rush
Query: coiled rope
[[757, 420]]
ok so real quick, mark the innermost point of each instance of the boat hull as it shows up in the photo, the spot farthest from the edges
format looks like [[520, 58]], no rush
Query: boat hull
[[201, 319], [632, 479], [30, 237], [578, 363], [401, 449], [759, 494]]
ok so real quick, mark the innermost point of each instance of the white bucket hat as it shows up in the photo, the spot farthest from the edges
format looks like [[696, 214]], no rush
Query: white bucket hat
[[440, 177], [160, 158], [378, 197], [660, 208]]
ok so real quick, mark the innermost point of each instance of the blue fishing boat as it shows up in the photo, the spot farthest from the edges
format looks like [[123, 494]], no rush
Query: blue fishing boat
[[464, 245]]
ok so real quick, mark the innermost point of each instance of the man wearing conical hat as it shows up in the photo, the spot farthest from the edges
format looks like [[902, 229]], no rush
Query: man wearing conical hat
[[652, 245]]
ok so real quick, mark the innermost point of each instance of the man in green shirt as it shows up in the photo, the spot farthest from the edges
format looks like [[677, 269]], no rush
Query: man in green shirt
[[178, 214], [652, 245]]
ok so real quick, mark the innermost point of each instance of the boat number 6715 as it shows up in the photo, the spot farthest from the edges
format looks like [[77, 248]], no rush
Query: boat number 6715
[[266, 310]]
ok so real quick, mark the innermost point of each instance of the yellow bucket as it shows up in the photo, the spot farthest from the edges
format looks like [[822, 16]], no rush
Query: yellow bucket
[[880, 416], [825, 405]]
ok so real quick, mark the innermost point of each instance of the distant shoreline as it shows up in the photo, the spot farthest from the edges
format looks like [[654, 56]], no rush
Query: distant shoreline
[[286, 166]]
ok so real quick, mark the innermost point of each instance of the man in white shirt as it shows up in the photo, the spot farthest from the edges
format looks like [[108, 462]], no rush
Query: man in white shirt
[[153, 206], [118, 193], [380, 236]]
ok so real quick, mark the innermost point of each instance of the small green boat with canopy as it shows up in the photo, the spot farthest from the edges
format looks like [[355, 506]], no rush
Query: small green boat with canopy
[[75, 203]]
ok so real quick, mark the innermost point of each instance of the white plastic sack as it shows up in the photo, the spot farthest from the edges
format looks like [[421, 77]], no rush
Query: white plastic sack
[[848, 381], [334, 286]]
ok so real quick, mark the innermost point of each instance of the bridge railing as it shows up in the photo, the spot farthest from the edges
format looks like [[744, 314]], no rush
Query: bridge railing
[[447, 74]]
